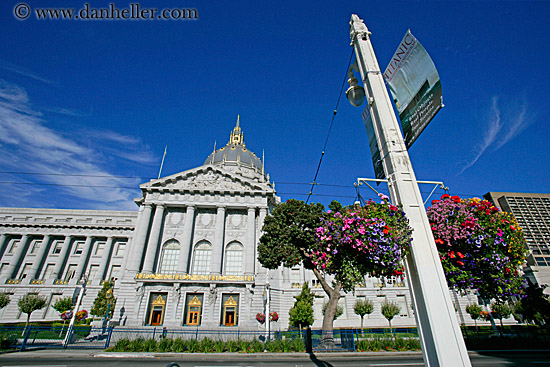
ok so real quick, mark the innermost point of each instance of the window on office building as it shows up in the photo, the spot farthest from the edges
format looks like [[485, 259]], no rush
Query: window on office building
[[35, 245], [79, 247], [99, 248], [48, 272], [234, 259], [201, 258], [169, 257], [13, 246], [25, 271], [115, 272], [57, 246], [71, 270], [120, 248]]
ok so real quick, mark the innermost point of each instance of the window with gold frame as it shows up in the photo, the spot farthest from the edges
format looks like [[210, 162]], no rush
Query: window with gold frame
[[157, 308], [230, 310], [193, 309]]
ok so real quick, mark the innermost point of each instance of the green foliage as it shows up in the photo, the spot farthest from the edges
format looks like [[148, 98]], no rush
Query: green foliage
[[63, 304], [219, 347], [105, 299], [390, 310], [289, 232], [301, 314], [4, 299], [377, 344], [363, 307], [165, 345], [178, 346], [501, 310], [30, 303], [339, 310], [535, 306], [474, 311]]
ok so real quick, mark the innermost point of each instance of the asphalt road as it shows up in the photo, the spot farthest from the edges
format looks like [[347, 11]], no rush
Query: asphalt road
[[70, 358]]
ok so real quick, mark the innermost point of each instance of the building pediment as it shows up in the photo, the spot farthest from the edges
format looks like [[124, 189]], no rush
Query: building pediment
[[206, 178]]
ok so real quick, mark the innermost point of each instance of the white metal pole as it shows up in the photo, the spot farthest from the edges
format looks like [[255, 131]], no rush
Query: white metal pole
[[440, 335], [267, 306], [75, 310]]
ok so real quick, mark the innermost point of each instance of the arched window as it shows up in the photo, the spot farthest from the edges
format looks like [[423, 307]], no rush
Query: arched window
[[234, 259], [201, 258], [169, 257]]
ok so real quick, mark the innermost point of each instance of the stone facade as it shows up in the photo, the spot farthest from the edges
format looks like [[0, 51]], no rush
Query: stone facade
[[185, 258]]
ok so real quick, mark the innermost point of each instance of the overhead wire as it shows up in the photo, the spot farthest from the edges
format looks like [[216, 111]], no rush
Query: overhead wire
[[330, 128]]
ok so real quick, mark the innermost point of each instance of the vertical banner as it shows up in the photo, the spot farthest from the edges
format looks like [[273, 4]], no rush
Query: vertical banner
[[415, 86], [373, 144]]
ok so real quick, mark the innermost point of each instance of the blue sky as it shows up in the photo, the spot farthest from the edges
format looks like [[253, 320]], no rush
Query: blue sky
[[87, 107]]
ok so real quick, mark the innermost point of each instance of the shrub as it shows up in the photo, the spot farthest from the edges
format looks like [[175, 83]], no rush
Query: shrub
[[136, 345], [232, 346], [150, 345], [165, 345], [178, 345], [219, 347], [193, 346], [206, 345]]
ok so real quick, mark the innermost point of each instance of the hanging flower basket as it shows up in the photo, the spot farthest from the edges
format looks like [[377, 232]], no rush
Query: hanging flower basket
[[481, 248], [371, 239], [81, 315], [273, 316], [260, 317], [67, 315]]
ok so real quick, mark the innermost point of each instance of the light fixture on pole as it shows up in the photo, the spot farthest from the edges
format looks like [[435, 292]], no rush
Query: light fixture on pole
[[355, 92]]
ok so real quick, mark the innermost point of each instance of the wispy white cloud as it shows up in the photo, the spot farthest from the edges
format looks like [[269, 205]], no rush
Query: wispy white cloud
[[75, 169], [24, 72], [500, 131]]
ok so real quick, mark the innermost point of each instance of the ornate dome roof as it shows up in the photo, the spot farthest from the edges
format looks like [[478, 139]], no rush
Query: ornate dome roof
[[235, 153]]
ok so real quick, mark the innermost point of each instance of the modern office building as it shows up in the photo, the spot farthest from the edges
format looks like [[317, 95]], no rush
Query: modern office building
[[185, 258], [532, 211]]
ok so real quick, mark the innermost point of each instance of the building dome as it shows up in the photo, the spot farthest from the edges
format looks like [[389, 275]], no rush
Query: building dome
[[235, 153]]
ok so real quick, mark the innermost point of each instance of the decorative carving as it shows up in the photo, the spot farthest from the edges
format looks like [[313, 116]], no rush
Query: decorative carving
[[193, 277]]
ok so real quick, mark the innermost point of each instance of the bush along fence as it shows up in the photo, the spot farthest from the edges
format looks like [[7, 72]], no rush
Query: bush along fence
[[158, 339]]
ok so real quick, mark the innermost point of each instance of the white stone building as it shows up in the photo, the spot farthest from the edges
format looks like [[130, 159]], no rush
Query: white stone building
[[186, 258]]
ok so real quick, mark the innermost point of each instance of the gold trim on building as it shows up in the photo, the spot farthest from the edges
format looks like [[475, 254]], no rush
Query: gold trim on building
[[211, 277]]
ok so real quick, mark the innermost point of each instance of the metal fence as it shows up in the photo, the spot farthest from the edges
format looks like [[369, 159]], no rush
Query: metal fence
[[85, 336]]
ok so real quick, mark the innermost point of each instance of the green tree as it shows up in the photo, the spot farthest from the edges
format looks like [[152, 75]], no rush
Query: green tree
[[535, 305], [362, 308], [474, 310], [290, 239], [301, 314], [62, 305], [104, 301], [4, 299], [501, 311], [390, 310], [339, 310], [30, 303]]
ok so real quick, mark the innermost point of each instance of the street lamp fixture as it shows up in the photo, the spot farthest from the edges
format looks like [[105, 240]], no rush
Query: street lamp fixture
[[355, 93]]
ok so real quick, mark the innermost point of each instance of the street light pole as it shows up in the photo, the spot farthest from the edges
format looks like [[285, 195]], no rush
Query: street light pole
[[440, 335]]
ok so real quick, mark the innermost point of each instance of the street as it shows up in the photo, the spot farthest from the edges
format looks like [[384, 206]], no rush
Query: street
[[70, 358]]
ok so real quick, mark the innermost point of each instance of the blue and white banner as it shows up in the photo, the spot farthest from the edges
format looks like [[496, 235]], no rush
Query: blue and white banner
[[415, 86]]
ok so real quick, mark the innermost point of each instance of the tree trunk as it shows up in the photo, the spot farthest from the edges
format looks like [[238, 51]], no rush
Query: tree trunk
[[362, 334], [327, 340], [26, 324]]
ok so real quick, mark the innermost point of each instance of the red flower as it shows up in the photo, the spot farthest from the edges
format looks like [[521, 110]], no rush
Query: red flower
[[439, 241], [455, 198], [451, 254], [460, 263], [445, 196], [460, 255]]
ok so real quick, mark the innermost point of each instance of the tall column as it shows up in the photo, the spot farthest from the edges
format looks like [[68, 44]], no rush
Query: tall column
[[58, 270], [263, 212], [154, 237], [440, 336], [140, 239], [100, 275], [186, 245], [20, 251], [4, 240], [34, 273], [83, 259], [249, 248], [217, 248]]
